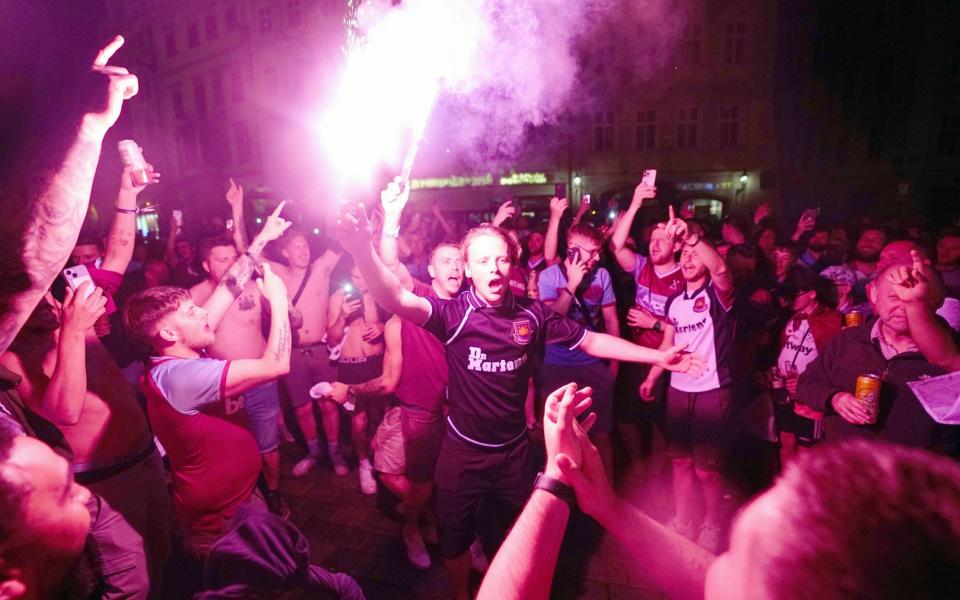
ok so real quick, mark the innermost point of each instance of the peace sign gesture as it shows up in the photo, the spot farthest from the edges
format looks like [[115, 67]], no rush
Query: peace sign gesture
[[115, 85]]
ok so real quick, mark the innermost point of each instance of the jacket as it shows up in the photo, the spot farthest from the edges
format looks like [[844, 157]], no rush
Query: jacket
[[902, 419]]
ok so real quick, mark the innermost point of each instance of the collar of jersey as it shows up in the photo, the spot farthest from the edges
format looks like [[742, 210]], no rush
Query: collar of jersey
[[706, 282], [478, 303]]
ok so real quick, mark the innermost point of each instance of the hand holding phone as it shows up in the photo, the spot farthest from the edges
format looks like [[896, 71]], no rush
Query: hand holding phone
[[76, 276], [177, 215]]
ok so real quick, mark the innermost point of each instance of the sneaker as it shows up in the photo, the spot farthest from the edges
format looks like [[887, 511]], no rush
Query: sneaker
[[685, 529], [303, 467], [478, 558], [416, 551], [339, 465], [709, 538], [276, 504], [368, 485]]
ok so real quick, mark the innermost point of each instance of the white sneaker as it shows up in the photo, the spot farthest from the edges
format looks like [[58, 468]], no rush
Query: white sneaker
[[368, 485], [709, 538], [478, 558], [416, 551], [303, 467]]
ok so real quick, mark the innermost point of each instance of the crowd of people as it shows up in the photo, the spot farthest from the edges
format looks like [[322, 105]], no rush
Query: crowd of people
[[141, 398]]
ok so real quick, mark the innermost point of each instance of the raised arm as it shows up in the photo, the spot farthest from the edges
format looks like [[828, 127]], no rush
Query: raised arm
[[37, 242], [234, 198], [506, 211], [176, 226], [123, 231], [243, 269], [606, 346], [354, 234], [934, 339], [448, 230], [621, 231], [551, 240], [393, 200], [275, 362], [677, 229]]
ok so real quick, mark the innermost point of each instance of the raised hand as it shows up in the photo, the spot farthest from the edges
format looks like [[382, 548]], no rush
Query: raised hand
[[678, 359], [353, 229], [587, 477], [78, 313], [642, 192], [558, 206], [560, 411], [234, 195], [762, 212], [506, 211], [676, 228], [576, 268], [910, 284], [275, 225], [118, 85], [272, 287], [126, 179], [394, 197]]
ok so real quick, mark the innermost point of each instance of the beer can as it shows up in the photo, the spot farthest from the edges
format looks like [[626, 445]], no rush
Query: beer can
[[868, 395], [131, 156], [853, 318]]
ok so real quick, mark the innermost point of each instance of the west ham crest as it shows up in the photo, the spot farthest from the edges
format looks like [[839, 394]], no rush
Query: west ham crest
[[700, 304], [522, 331]]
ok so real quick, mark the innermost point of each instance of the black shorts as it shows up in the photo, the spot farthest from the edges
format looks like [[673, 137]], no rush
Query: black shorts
[[467, 475], [423, 433], [700, 425], [596, 375], [355, 370], [807, 431], [627, 405]]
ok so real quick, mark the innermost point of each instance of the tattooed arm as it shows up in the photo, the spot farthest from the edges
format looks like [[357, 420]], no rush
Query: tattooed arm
[[38, 241], [123, 232], [243, 269], [386, 383], [275, 362]]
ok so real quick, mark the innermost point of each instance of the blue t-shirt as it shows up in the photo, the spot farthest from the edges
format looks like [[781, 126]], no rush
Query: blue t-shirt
[[598, 294]]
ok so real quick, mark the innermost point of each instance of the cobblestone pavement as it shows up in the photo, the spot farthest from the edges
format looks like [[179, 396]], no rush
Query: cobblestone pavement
[[348, 533]]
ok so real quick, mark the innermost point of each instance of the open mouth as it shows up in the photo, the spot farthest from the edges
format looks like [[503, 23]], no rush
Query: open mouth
[[495, 284]]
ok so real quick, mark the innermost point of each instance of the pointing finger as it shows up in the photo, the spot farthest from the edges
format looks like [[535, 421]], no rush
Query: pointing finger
[[108, 51], [276, 211]]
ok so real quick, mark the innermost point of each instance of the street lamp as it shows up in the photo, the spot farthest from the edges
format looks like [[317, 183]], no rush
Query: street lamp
[[577, 180], [744, 178]]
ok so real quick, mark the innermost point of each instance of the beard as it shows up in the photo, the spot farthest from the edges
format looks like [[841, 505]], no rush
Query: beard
[[867, 257]]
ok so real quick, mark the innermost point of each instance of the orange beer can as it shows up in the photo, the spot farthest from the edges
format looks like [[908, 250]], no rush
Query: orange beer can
[[852, 318], [868, 395]]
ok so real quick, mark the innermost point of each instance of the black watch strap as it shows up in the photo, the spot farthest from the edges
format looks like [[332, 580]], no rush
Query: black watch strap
[[557, 488]]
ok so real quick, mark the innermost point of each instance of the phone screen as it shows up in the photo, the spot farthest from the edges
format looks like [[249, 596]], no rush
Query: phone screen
[[560, 190]]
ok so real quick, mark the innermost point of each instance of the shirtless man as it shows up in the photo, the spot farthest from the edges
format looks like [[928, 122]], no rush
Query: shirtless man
[[69, 378], [356, 319], [239, 335], [308, 287]]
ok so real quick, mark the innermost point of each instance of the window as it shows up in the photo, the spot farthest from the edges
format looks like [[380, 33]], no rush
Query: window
[[187, 146], [230, 16], [294, 15], [236, 85], [179, 108], [646, 134], [241, 136], [210, 27], [875, 142], [200, 96], [266, 19], [729, 126], [949, 136], [193, 35], [219, 99], [734, 42], [690, 47], [170, 42], [688, 127], [603, 131]]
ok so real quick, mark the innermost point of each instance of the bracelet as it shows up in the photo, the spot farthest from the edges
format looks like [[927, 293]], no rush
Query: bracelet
[[557, 488], [128, 211]]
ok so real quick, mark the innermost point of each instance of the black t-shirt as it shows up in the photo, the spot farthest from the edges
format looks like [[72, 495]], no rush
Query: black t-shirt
[[490, 353]]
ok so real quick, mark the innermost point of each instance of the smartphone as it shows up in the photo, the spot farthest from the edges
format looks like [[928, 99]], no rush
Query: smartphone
[[178, 217], [586, 199], [75, 277], [560, 190], [352, 294], [573, 255], [810, 213], [649, 177]]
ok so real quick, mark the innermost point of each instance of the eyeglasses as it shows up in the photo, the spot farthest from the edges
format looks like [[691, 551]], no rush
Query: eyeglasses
[[585, 254]]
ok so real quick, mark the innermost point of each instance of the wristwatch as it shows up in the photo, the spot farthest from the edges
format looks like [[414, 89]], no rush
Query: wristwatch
[[557, 488]]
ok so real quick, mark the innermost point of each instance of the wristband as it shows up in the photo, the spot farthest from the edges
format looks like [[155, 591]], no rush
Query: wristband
[[557, 488], [128, 211]]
